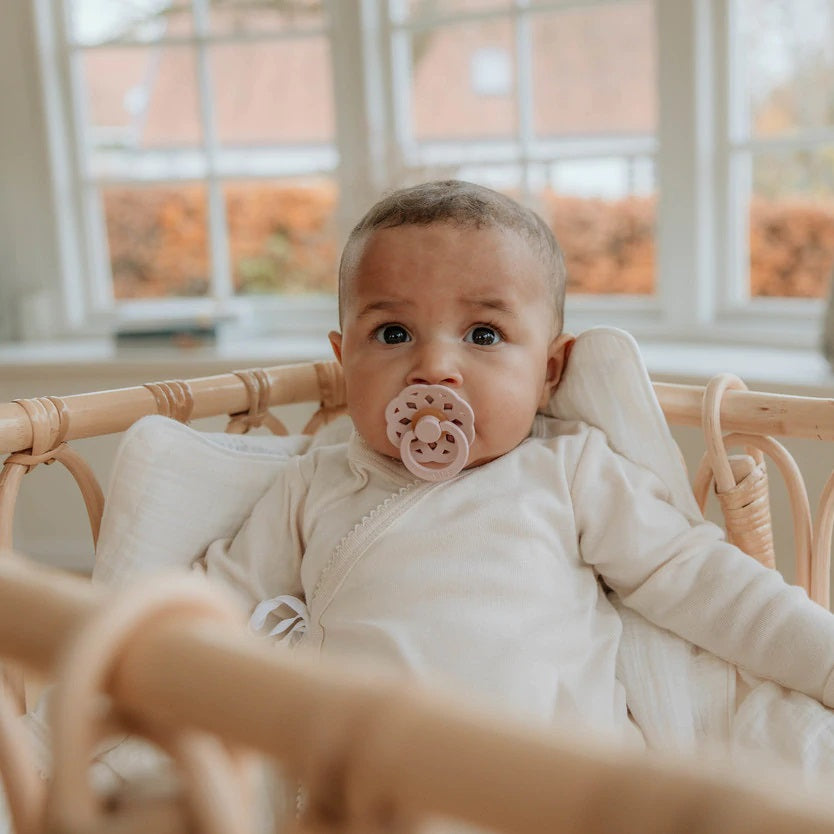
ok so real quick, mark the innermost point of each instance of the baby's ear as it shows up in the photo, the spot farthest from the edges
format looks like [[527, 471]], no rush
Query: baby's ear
[[557, 360], [336, 343]]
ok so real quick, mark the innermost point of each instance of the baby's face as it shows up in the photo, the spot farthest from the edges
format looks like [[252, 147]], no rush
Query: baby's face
[[446, 305]]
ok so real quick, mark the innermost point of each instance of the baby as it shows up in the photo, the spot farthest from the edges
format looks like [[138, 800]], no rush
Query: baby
[[493, 578]]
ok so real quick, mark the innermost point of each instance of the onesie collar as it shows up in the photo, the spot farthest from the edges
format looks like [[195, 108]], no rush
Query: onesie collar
[[362, 456]]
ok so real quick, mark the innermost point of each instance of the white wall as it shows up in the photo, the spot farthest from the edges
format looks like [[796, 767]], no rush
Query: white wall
[[28, 235]]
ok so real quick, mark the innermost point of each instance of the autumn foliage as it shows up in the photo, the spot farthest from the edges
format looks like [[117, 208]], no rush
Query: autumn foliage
[[281, 239], [791, 247], [284, 239], [608, 245]]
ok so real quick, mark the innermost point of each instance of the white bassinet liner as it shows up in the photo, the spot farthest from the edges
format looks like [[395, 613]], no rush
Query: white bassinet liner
[[173, 489]]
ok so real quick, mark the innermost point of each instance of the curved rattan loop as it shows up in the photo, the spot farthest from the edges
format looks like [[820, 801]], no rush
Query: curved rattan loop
[[741, 483], [80, 470], [258, 390], [49, 420], [797, 494], [182, 400], [161, 397], [24, 789], [711, 422], [821, 553], [11, 477], [44, 428], [213, 775], [63, 413], [332, 394], [173, 399], [745, 506]]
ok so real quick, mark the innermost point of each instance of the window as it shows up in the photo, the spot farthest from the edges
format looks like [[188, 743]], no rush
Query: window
[[207, 150], [217, 151], [553, 103], [781, 147]]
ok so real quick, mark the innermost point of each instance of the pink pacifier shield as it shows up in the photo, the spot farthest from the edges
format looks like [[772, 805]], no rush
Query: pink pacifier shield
[[432, 427]]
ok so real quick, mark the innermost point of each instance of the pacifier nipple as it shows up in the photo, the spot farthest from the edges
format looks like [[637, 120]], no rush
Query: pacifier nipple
[[432, 427]]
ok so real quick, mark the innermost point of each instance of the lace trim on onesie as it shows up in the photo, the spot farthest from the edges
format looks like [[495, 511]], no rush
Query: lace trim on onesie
[[357, 541]]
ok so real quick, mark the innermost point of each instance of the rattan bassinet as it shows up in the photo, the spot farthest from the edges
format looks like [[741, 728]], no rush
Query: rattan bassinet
[[466, 766], [39, 430]]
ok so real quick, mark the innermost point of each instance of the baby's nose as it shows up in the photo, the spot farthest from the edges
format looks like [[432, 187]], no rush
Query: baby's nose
[[435, 365]]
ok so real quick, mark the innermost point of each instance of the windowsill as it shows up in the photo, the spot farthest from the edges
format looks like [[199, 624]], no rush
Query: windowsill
[[792, 371], [799, 371], [103, 355]]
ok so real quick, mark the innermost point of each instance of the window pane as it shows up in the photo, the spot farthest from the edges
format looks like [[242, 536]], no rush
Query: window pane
[[792, 224], [420, 9], [594, 70], [463, 81], [786, 60], [282, 236], [141, 98], [100, 21], [264, 16], [259, 96], [608, 244], [603, 214], [158, 240]]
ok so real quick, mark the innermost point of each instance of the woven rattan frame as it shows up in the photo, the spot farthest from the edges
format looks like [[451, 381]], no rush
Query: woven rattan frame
[[384, 751], [560, 783], [38, 431]]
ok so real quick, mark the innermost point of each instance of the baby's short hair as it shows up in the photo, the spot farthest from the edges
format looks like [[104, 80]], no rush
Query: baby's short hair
[[468, 205]]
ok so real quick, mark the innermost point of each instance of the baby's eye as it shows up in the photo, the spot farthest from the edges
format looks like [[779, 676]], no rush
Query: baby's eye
[[483, 335], [392, 334]]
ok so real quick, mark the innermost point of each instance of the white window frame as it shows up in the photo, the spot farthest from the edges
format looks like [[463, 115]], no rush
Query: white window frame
[[786, 319], [637, 313], [700, 262], [99, 310]]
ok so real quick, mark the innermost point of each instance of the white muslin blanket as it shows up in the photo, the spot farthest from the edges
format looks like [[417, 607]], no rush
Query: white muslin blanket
[[688, 700]]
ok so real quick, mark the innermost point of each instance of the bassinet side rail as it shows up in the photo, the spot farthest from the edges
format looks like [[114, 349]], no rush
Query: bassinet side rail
[[37, 430], [751, 412], [107, 412], [731, 415], [379, 746]]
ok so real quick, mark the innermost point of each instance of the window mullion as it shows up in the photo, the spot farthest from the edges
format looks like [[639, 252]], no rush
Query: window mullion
[[359, 149], [732, 204], [401, 88], [69, 189], [685, 240], [524, 98], [393, 124], [221, 277]]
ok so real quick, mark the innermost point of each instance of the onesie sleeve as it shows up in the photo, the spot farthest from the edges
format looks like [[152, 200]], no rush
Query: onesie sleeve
[[263, 559], [684, 577]]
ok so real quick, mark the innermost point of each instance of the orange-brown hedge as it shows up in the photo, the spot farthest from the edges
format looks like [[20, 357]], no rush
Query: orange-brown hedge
[[283, 239]]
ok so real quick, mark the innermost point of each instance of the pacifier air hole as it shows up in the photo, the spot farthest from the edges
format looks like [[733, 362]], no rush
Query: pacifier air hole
[[432, 427]]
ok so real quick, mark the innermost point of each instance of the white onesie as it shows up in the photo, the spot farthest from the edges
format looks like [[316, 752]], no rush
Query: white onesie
[[490, 581]]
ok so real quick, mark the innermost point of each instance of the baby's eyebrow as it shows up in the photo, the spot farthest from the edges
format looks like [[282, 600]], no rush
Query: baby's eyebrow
[[497, 304], [383, 305]]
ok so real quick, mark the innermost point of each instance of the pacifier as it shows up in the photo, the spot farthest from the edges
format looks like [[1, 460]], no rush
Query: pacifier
[[432, 427]]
